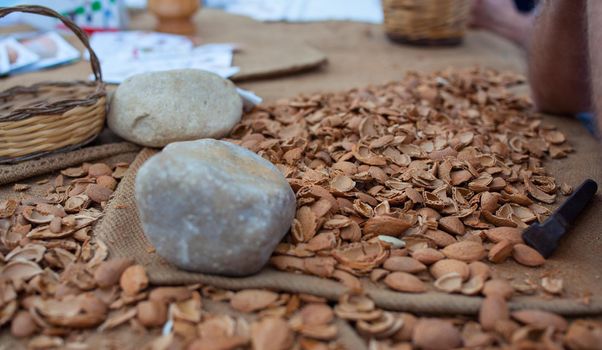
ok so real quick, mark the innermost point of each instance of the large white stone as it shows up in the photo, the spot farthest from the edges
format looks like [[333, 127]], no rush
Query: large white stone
[[214, 207], [154, 109]]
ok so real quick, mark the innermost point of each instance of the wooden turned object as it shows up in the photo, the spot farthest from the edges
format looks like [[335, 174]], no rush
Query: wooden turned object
[[174, 16]]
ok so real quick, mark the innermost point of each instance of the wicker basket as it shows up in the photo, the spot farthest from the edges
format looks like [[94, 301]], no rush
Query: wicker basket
[[51, 116], [426, 22]]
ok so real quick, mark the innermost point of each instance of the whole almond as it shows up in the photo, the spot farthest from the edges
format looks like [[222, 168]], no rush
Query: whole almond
[[98, 193], [107, 181], [512, 234], [493, 309], [427, 256], [501, 251], [404, 264], [441, 238], [99, 169], [466, 251], [540, 319], [478, 268], [499, 287], [404, 282], [527, 256], [133, 280], [108, 272], [152, 313], [583, 334], [452, 224], [445, 266], [435, 334], [23, 325]]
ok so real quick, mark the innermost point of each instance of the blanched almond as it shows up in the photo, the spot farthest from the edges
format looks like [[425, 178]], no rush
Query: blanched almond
[[445, 266], [465, 250], [404, 282], [527, 256], [404, 264]]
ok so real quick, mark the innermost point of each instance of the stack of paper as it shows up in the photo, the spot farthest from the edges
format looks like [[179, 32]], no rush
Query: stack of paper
[[26, 52], [123, 54]]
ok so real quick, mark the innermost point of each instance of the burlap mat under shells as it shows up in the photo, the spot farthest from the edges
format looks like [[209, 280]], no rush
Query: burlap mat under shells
[[121, 230]]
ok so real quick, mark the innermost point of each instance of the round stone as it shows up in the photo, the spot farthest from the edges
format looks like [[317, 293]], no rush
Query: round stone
[[214, 207], [157, 108]]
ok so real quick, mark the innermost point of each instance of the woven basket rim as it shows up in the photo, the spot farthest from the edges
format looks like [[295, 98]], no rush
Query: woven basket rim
[[57, 107]]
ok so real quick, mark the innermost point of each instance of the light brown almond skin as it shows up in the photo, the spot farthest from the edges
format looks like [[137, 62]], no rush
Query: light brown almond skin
[[436, 334], [98, 193], [386, 225], [493, 309], [99, 169], [499, 287], [441, 238], [170, 294], [406, 331], [453, 225], [107, 181], [427, 256], [501, 251], [527, 256], [583, 334], [108, 272], [466, 251], [478, 268], [511, 234], [152, 313], [404, 282], [133, 279], [404, 264], [540, 319], [445, 266], [23, 325]]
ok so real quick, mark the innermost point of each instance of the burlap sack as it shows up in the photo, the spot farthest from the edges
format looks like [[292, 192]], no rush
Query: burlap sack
[[122, 231]]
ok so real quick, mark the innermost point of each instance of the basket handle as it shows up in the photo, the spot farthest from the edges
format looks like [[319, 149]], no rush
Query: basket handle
[[44, 11]]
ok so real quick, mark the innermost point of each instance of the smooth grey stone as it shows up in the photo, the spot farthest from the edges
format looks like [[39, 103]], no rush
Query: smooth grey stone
[[214, 207], [155, 109]]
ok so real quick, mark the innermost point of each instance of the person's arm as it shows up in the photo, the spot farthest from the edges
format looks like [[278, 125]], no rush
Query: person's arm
[[558, 57], [595, 49]]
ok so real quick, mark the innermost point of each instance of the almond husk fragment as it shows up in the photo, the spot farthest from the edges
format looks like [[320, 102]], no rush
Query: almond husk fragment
[[527, 256], [385, 225], [449, 283], [445, 266], [404, 282]]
